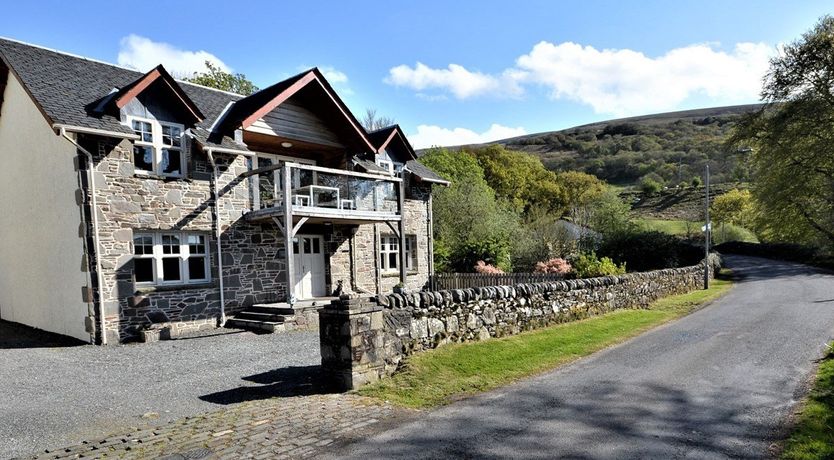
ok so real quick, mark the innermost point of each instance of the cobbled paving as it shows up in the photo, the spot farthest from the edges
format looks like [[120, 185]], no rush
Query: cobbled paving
[[294, 427]]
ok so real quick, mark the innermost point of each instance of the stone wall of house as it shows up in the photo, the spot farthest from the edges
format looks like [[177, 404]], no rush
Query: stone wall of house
[[365, 255], [253, 262], [254, 267], [425, 320]]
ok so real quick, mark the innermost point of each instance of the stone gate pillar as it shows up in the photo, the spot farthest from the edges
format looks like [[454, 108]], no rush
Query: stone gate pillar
[[352, 340]]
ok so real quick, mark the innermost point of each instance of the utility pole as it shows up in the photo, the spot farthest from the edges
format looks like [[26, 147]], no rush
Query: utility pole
[[707, 229]]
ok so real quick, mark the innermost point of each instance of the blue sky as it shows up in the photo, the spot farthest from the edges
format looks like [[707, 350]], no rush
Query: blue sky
[[451, 72]]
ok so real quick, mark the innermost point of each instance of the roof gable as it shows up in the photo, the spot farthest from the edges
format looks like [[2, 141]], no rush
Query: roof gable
[[392, 136], [158, 76], [307, 86], [69, 90]]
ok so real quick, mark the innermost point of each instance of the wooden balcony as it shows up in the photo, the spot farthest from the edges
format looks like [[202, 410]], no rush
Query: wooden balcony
[[318, 194]]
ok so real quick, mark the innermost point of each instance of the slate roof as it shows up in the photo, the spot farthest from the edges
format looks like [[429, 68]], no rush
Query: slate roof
[[369, 166], [424, 172], [69, 88]]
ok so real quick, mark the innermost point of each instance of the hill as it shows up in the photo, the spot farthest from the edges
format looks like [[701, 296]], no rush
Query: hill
[[670, 147], [685, 203]]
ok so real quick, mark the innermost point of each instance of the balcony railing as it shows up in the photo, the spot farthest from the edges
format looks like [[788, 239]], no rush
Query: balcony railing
[[325, 192]]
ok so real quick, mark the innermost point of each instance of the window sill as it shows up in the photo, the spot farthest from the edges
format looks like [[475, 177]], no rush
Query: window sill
[[397, 274], [162, 178], [175, 287]]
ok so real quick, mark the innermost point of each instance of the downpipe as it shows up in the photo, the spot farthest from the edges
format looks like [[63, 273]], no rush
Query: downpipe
[[214, 174], [94, 212]]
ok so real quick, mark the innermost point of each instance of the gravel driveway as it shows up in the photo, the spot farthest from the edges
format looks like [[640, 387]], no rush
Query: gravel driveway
[[61, 394], [720, 383]]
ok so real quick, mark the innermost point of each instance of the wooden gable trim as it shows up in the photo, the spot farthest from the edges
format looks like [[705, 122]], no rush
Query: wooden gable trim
[[137, 89], [397, 132], [310, 77], [147, 80], [387, 141], [277, 100]]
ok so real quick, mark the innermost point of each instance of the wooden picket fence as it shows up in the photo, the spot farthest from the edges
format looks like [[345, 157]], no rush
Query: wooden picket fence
[[444, 281]]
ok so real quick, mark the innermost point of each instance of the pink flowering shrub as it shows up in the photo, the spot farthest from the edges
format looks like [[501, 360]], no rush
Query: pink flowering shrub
[[487, 269], [554, 265]]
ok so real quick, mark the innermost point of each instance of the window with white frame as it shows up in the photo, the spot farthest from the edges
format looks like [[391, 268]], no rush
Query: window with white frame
[[170, 258], [389, 253], [159, 147]]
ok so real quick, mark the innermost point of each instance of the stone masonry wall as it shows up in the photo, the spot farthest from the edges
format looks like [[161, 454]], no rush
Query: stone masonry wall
[[426, 320], [366, 250], [253, 266]]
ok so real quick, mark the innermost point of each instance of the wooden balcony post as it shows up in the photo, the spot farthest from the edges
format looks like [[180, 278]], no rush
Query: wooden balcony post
[[288, 233]]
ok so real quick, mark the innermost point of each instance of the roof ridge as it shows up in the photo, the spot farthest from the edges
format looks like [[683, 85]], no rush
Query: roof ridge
[[98, 61]]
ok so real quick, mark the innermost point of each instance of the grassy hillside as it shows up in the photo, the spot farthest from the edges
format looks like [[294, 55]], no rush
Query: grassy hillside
[[672, 147], [685, 203]]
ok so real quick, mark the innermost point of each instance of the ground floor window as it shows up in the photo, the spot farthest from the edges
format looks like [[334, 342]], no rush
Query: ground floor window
[[389, 253], [168, 258]]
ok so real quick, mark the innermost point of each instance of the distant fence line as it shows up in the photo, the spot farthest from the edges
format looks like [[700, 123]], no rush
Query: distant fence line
[[445, 281]]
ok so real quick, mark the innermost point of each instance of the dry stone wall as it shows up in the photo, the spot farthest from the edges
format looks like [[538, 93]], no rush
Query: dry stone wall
[[424, 320]]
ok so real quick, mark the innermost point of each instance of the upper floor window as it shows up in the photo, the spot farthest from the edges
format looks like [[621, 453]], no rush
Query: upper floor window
[[385, 162], [159, 147]]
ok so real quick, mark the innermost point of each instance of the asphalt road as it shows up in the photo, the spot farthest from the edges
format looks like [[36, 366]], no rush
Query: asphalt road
[[720, 383]]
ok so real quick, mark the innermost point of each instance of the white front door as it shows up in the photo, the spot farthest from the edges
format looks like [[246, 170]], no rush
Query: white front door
[[308, 261]]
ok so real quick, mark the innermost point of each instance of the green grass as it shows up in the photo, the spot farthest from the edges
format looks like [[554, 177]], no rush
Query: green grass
[[721, 233], [448, 373], [813, 435]]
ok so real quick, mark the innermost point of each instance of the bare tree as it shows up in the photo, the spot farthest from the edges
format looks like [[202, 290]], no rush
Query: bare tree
[[372, 122]]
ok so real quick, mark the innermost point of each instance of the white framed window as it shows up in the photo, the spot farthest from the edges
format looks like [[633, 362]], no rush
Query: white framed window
[[389, 253], [159, 147], [386, 165], [410, 252], [170, 258]]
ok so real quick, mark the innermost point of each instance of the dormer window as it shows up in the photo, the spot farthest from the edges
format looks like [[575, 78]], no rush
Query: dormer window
[[159, 148], [385, 162]]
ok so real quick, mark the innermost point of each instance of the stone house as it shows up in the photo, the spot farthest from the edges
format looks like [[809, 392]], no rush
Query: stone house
[[133, 201]]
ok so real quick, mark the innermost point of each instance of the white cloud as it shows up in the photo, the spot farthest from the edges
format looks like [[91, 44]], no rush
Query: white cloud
[[624, 82], [431, 135], [336, 78], [455, 78], [333, 76], [614, 81], [143, 54]]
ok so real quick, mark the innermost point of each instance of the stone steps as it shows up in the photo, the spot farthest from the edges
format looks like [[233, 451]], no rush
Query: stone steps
[[277, 317], [258, 325]]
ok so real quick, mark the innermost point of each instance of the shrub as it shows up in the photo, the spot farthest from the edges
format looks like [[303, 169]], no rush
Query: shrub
[[554, 265], [588, 265], [652, 250], [487, 269], [650, 186]]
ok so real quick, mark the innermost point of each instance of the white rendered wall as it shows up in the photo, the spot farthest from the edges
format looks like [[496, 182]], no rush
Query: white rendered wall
[[41, 251]]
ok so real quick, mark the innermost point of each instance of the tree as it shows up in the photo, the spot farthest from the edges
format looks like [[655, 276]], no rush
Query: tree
[[470, 224], [215, 77], [521, 179], [792, 142], [372, 122], [734, 207]]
